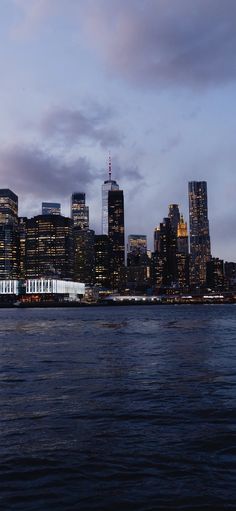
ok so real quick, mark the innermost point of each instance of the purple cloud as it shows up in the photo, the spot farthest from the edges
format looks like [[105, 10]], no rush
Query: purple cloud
[[29, 170], [161, 42], [70, 126]]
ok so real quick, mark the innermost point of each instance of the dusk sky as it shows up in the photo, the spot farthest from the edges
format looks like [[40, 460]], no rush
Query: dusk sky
[[151, 81]]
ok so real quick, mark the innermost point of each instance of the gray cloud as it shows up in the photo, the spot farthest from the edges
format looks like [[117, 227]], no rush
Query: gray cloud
[[125, 173], [71, 126], [29, 170], [160, 42]]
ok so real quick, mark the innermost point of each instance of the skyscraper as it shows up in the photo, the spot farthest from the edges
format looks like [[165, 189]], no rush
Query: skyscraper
[[138, 263], [200, 248], [49, 247], [107, 186], [102, 261], [84, 257], [9, 253], [182, 255], [116, 232], [51, 208], [79, 211], [167, 254], [174, 216], [182, 236], [8, 207]]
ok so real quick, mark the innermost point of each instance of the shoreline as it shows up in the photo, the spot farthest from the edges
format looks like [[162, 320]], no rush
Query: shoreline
[[48, 305]]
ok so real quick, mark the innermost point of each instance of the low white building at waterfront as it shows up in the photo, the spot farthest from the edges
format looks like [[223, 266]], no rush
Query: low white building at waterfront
[[69, 289]]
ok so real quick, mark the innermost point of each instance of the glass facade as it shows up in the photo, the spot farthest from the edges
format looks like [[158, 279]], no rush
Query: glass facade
[[200, 248], [79, 211], [51, 208], [106, 187], [103, 253], [49, 247], [116, 232], [84, 257], [9, 252]]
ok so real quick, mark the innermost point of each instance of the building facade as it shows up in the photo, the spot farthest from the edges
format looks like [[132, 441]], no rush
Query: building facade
[[84, 255], [116, 234], [174, 216], [107, 186], [51, 208], [49, 247], [9, 246], [103, 253], [200, 247], [79, 211]]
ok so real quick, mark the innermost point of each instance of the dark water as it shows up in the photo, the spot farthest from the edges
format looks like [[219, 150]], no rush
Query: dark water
[[127, 408]]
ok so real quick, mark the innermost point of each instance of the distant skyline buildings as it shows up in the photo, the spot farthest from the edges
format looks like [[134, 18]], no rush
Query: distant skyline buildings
[[52, 245]]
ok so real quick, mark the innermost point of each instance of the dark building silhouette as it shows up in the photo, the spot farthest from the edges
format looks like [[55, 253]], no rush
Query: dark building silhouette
[[200, 248], [116, 234], [215, 274], [230, 275], [103, 252], [49, 247], [51, 208], [174, 216], [164, 262], [138, 264], [9, 246], [79, 211], [84, 255]]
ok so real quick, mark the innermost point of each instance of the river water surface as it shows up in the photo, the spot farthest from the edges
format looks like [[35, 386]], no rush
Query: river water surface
[[118, 408]]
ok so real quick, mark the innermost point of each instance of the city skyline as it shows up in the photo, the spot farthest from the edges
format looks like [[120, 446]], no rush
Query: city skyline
[[83, 78], [81, 196]]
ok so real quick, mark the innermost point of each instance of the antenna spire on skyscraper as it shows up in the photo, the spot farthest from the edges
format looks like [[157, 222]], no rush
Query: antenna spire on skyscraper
[[109, 166]]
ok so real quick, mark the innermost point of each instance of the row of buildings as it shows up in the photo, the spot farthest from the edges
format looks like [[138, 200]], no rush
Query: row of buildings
[[52, 246]]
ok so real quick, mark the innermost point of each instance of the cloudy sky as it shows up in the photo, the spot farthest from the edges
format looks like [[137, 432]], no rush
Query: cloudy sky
[[152, 81]]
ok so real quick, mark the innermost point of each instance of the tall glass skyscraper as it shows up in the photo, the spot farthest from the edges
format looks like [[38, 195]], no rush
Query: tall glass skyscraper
[[107, 186], [200, 247], [9, 254], [116, 233]]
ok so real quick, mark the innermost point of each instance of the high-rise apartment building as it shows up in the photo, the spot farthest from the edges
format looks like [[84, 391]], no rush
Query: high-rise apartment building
[[51, 208], [200, 248], [107, 186], [79, 211], [116, 233], [9, 253], [49, 247]]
